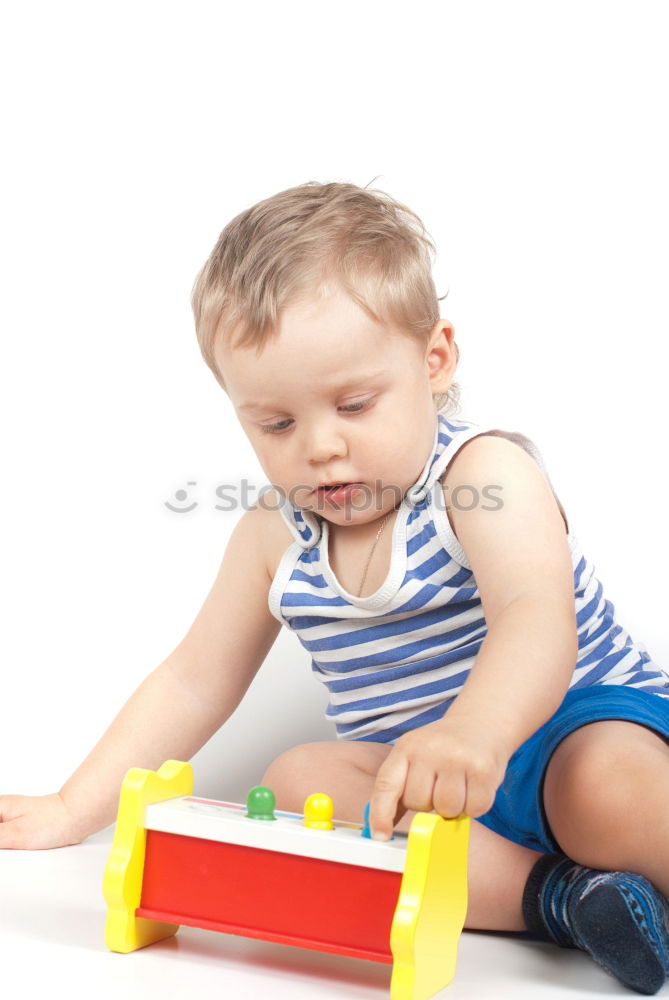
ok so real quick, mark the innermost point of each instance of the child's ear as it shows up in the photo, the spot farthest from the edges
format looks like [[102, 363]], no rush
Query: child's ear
[[441, 356]]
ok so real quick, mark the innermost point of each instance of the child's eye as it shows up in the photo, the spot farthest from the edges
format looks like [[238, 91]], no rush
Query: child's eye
[[283, 425], [274, 428]]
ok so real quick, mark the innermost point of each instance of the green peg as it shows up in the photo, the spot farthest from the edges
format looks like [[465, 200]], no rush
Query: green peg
[[260, 803]]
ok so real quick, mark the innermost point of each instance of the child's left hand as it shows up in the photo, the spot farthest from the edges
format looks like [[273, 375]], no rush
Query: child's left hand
[[453, 766]]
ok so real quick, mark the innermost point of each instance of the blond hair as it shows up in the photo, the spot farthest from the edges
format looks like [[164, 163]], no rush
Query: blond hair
[[376, 249]]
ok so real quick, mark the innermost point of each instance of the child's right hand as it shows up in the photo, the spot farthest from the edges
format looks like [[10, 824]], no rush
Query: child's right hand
[[36, 823]]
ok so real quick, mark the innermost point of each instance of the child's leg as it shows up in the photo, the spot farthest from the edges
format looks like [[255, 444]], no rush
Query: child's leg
[[606, 795], [497, 869]]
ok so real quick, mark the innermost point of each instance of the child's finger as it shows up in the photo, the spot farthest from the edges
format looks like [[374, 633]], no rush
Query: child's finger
[[11, 835], [450, 794], [10, 807], [388, 788]]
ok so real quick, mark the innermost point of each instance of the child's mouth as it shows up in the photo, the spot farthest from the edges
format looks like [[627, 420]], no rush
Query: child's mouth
[[338, 492]]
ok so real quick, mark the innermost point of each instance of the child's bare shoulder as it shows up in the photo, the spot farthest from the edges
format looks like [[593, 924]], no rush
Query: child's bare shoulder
[[478, 451], [273, 530], [496, 458]]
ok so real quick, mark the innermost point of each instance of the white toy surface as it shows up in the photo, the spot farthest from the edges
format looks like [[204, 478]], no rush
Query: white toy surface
[[227, 822]]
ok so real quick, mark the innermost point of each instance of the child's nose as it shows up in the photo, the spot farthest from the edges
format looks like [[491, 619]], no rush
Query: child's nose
[[325, 443]]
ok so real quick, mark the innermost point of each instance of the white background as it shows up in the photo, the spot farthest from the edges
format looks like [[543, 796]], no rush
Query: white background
[[531, 140]]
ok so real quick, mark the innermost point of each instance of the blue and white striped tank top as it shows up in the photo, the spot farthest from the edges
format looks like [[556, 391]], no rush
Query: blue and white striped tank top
[[396, 659]]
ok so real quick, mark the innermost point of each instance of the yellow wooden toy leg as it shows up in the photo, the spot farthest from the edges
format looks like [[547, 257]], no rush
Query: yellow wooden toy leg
[[122, 884], [431, 907]]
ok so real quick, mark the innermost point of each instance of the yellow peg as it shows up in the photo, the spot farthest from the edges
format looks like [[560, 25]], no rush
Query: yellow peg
[[318, 812]]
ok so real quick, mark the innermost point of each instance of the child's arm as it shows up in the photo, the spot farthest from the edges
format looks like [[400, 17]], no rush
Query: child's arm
[[521, 562], [174, 711]]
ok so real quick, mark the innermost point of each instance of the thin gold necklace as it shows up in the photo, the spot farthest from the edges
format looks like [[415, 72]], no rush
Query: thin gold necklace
[[369, 557]]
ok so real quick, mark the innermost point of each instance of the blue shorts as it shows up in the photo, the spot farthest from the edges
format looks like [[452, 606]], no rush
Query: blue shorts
[[518, 810]]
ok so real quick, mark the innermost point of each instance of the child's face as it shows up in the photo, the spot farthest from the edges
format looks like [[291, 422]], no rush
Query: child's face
[[338, 398]]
